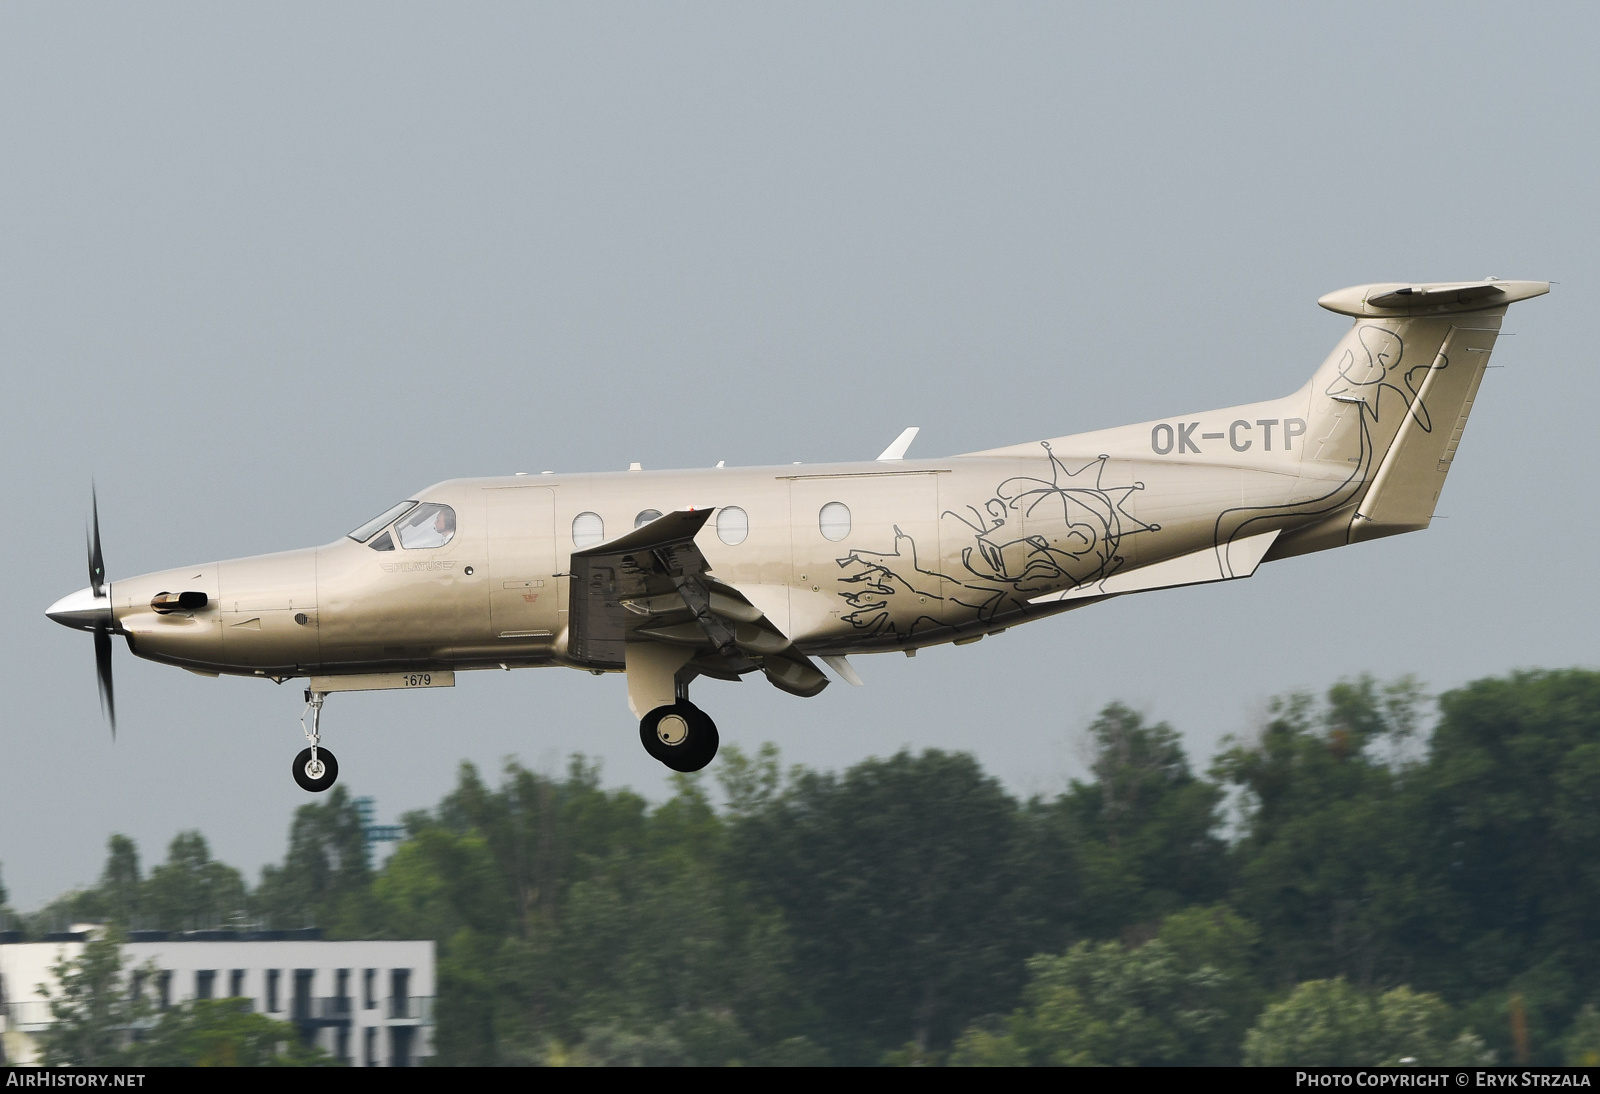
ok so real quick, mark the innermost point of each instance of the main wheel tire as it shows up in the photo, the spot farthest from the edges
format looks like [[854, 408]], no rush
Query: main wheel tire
[[319, 776], [681, 735]]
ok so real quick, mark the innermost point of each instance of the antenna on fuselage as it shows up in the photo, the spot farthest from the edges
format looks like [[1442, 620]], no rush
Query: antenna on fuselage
[[897, 450]]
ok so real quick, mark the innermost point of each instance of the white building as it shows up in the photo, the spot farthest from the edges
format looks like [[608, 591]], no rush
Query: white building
[[369, 1004]]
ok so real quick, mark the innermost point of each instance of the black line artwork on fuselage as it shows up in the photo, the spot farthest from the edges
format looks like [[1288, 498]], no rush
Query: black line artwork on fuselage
[[1358, 382], [1033, 536]]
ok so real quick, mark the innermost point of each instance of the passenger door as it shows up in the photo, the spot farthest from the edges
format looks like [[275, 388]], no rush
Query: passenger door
[[522, 563]]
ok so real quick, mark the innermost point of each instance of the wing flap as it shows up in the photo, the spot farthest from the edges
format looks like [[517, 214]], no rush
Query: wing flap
[[654, 585]]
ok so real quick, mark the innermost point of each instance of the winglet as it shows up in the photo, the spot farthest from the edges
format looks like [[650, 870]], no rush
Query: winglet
[[897, 450]]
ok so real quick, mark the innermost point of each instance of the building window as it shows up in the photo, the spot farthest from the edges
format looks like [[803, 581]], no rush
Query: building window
[[272, 990], [205, 983], [303, 981], [645, 517], [370, 1049], [834, 521], [733, 525], [587, 530], [400, 1045], [236, 984], [369, 998], [399, 993], [164, 988]]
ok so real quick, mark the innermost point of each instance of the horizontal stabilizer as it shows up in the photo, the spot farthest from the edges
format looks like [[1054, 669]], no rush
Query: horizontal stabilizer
[[1228, 562], [1400, 298]]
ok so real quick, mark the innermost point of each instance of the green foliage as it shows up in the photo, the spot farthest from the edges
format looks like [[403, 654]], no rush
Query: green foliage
[[899, 883], [1325, 860], [222, 1033], [1510, 811], [1390, 886], [1329, 1023], [121, 888], [324, 880], [1582, 1043], [189, 891], [1146, 827], [578, 925], [92, 1007], [1172, 1000]]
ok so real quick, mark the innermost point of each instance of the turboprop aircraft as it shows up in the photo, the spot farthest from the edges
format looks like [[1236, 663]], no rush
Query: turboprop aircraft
[[668, 576]]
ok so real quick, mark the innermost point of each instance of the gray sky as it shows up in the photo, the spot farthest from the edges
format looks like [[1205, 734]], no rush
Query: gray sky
[[266, 269]]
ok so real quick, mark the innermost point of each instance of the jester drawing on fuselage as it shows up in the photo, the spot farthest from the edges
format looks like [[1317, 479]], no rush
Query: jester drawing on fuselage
[[1037, 535], [1033, 536]]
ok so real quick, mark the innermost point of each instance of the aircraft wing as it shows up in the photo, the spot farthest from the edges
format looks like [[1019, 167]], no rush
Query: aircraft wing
[[654, 585]]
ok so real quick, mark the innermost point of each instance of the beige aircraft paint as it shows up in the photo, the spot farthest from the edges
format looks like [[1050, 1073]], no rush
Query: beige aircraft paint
[[722, 572]]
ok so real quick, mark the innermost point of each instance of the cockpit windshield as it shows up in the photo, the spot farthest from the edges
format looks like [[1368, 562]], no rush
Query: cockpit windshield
[[370, 529]]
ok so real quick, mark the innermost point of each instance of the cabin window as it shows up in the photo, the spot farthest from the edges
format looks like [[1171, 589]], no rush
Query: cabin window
[[369, 529], [587, 529], [384, 542], [733, 525], [429, 525], [645, 517], [834, 521]]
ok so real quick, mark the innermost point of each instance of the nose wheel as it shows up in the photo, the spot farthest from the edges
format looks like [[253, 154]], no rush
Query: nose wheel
[[680, 735], [315, 769]]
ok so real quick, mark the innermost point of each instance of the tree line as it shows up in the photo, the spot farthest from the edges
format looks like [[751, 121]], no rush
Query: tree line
[[1360, 880]]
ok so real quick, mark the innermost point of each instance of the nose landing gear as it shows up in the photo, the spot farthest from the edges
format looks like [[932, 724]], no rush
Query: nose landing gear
[[314, 768], [680, 735]]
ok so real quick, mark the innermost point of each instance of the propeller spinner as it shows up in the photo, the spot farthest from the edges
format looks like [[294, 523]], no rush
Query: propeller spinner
[[90, 610]]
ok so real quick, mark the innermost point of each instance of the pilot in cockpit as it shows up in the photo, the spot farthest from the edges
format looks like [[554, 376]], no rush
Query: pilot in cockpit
[[429, 525]]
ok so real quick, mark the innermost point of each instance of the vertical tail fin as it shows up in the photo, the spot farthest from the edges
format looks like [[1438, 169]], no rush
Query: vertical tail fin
[[1391, 401]]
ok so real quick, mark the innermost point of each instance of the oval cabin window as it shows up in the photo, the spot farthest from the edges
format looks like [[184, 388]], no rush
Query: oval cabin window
[[587, 530], [834, 521], [646, 517], [733, 525]]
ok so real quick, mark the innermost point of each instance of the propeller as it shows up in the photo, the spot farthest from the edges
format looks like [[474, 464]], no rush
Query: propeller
[[90, 610], [102, 630]]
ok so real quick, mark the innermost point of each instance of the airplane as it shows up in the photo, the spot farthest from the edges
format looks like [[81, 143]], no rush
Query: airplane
[[668, 576]]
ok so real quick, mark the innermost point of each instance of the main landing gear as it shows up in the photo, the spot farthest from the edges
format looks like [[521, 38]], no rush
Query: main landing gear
[[315, 769], [680, 735]]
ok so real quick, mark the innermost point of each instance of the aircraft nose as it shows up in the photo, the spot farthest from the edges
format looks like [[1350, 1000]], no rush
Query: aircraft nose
[[82, 610]]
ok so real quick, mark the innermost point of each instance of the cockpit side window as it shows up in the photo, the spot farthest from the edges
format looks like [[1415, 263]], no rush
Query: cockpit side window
[[428, 525], [370, 529], [384, 542]]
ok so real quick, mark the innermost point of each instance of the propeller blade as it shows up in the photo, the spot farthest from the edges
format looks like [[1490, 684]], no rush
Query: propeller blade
[[97, 562], [102, 668]]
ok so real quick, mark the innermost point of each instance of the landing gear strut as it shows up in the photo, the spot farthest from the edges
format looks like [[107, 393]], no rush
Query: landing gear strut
[[680, 735], [315, 769]]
